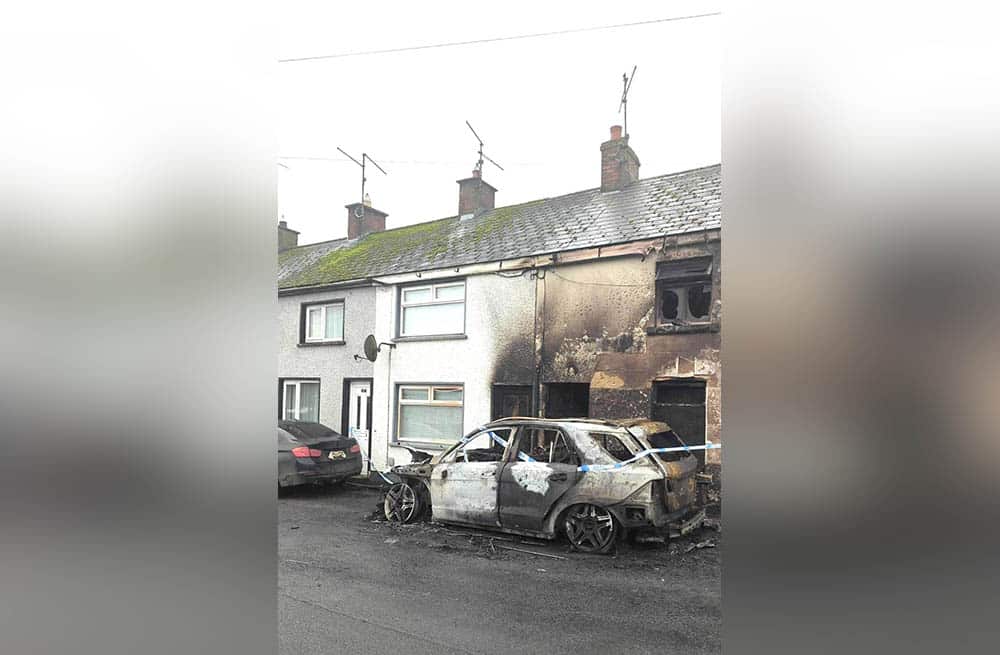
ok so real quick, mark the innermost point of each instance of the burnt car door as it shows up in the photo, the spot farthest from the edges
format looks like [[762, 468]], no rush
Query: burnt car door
[[465, 483], [541, 467]]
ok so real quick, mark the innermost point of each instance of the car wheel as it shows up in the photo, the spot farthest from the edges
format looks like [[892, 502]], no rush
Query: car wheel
[[590, 528], [402, 503]]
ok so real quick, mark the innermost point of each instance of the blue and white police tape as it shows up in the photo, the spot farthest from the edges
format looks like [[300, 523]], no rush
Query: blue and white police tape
[[651, 451]]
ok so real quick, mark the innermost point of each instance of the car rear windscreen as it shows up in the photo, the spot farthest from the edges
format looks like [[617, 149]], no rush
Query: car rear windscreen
[[312, 431], [668, 439]]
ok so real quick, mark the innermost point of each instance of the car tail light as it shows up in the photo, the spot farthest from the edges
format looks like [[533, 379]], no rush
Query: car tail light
[[355, 448], [305, 452]]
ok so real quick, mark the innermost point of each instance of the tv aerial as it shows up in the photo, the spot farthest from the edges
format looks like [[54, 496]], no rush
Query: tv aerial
[[479, 164], [360, 211], [623, 105]]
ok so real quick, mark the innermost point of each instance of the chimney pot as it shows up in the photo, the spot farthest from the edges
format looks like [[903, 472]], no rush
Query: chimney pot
[[475, 195], [619, 163], [362, 218], [287, 238]]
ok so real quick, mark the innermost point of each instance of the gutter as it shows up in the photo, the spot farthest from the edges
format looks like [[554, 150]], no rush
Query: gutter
[[346, 284]]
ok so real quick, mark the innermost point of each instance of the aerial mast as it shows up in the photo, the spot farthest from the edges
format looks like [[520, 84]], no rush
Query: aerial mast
[[479, 163], [364, 159], [623, 105]]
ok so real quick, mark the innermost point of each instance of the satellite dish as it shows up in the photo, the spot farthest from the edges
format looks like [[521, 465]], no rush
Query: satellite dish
[[371, 348], [358, 213]]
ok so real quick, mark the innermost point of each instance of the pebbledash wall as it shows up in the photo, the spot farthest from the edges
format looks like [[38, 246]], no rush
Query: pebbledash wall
[[330, 363]]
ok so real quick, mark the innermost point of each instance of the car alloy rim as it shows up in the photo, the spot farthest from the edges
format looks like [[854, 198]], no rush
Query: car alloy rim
[[590, 527], [400, 501]]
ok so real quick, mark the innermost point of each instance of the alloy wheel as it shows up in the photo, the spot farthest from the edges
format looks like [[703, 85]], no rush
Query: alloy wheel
[[401, 503], [590, 529]]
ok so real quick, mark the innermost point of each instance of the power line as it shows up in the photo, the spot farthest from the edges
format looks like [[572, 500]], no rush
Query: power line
[[359, 53], [397, 161]]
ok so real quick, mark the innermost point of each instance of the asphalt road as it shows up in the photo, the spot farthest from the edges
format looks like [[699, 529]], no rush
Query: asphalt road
[[347, 584]]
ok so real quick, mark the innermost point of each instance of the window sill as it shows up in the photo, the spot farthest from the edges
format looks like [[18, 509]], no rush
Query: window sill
[[312, 344], [670, 328], [430, 337]]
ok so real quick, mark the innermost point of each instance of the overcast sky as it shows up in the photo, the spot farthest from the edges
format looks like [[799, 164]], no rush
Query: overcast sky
[[542, 105]]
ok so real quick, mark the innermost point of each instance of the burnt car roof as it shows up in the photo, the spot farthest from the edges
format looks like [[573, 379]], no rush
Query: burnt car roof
[[542, 419], [647, 426]]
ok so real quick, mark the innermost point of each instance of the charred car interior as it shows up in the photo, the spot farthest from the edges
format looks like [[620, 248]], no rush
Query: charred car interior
[[591, 480]]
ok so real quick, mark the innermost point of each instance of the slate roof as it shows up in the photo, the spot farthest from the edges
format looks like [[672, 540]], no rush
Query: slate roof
[[689, 201]]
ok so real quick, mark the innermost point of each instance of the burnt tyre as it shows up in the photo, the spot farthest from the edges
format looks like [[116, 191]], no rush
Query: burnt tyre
[[403, 503], [590, 528]]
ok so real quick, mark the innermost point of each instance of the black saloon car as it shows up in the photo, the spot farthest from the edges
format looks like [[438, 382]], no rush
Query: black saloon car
[[312, 453]]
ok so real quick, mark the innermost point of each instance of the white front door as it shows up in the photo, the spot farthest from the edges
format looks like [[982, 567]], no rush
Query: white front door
[[359, 400]]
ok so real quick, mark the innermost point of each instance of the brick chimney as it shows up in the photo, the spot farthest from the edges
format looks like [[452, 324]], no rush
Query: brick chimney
[[474, 195], [619, 163], [287, 238], [362, 218]]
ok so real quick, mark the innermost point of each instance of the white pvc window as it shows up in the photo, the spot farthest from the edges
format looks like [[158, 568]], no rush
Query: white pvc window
[[429, 413], [432, 309], [325, 322], [300, 400]]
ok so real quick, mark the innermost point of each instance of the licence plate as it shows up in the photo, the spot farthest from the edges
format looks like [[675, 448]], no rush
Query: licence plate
[[337, 454]]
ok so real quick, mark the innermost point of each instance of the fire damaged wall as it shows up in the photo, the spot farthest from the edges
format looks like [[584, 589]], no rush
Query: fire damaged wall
[[603, 326], [590, 308]]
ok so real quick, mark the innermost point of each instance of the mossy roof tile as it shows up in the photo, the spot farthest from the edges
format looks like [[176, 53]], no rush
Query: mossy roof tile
[[657, 206]]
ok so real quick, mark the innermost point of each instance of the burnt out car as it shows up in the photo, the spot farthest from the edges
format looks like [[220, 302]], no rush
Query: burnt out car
[[588, 479]]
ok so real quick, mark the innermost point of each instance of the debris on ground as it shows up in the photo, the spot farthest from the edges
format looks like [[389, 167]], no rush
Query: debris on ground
[[531, 552], [708, 543]]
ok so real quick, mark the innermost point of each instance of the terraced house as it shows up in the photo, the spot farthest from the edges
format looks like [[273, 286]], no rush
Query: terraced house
[[603, 303]]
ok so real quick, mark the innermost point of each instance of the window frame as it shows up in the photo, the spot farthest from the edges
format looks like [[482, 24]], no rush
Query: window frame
[[283, 383], [431, 388], [680, 284], [304, 311], [451, 455], [433, 285], [523, 428]]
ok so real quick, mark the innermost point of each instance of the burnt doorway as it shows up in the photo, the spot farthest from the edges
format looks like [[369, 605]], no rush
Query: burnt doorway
[[567, 400], [681, 405], [511, 400]]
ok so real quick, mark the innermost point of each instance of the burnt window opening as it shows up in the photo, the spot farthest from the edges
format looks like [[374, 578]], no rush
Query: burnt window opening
[[668, 439], [612, 445], [684, 291], [545, 445], [486, 446], [567, 400]]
